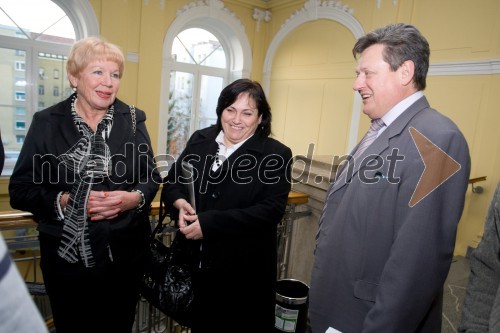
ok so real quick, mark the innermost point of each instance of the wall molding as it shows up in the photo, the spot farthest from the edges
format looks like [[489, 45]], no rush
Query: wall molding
[[468, 67]]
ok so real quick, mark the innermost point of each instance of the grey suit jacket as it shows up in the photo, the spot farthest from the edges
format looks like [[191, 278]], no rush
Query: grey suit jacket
[[379, 262], [481, 311]]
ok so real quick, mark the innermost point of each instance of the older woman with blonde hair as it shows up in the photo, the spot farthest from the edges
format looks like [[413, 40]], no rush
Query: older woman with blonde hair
[[86, 172]]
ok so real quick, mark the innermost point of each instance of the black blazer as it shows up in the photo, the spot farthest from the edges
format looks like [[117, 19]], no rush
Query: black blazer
[[39, 175], [239, 208]]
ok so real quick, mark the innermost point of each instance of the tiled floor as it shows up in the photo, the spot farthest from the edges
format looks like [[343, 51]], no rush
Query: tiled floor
[[454, 293]]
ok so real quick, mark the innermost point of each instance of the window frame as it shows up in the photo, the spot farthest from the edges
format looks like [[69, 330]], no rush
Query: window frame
[[230, 32], [84, 21]]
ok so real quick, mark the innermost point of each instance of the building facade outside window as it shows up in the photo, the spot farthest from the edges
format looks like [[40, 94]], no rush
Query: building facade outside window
[[196, 79], [35, 37]]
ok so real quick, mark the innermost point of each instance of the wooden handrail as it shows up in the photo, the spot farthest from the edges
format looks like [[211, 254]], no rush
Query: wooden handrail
[[478, 179], [19, 219]]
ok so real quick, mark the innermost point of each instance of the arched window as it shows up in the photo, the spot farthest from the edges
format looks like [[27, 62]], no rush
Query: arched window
[[202, 54], [196, 79], [35, 38]]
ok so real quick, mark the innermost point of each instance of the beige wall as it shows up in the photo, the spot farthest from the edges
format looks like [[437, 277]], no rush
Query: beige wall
[[313, 71]]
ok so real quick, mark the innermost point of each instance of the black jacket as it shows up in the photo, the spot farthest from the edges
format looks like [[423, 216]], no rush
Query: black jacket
[[239, 208], [39, 176]]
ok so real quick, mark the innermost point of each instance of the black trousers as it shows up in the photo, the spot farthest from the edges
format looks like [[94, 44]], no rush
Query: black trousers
[[89, 299]]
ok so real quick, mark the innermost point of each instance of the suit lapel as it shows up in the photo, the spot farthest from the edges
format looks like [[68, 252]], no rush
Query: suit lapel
[[382, 142]]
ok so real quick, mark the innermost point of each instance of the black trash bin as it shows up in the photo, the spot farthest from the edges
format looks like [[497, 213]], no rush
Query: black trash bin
[[292, 300]]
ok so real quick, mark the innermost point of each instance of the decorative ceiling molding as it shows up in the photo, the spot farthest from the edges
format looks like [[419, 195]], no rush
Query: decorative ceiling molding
[[313, 10], [215, 8], [261, 15]]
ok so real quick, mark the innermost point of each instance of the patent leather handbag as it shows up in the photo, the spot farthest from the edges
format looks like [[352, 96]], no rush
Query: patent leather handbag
[[167, 283]]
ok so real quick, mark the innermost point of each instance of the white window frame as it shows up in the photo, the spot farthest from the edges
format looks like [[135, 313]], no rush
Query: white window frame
[[20, 95], [230, 32], [84, 21], [20, 65]]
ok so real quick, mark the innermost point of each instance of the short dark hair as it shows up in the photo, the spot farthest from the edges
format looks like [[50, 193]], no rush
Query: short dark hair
[[231, 92], [401, 42]]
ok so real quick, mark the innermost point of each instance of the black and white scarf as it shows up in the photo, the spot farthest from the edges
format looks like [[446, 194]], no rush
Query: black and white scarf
[[89, 159]]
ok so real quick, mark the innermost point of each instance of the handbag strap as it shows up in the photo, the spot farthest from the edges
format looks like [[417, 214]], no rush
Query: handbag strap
[[158, 228], [134, 118]]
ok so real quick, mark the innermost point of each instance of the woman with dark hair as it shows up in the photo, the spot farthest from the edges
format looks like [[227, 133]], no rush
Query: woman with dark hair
[[241, 181]]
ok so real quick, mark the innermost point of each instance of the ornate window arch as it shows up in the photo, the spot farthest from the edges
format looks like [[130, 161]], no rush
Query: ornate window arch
[[314, 10], [81, 15], [212, 16]]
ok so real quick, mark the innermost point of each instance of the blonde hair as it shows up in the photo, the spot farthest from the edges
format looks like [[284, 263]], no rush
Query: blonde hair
[[91, 49]]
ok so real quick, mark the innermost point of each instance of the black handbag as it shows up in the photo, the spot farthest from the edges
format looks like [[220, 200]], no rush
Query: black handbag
[[167, 283]]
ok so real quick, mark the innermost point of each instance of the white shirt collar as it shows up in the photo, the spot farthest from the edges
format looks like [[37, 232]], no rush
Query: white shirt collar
[[401, 107], [226, 151]]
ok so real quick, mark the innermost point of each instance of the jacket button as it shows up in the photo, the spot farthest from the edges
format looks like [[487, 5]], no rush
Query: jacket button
[[215, 195]]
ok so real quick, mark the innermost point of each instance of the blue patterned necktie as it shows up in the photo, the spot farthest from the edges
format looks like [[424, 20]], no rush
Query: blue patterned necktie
[[369, 137]]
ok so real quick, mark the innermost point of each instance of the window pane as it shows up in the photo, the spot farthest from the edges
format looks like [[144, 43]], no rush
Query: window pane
[[10, 161], [34, 19], [51, 62], [27, 81], [20, 125], [179, 112], [211, 86], [198, 46], [13, 103]]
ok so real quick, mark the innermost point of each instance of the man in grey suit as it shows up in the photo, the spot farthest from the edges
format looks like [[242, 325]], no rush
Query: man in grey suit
[[387, 232]]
